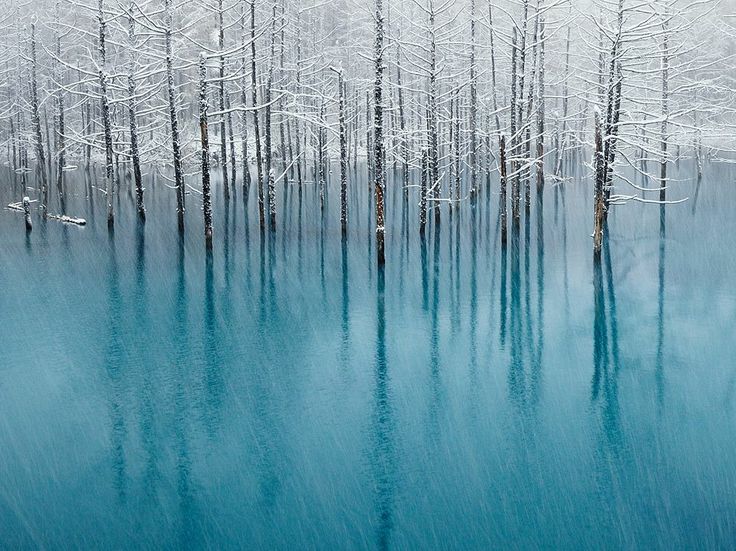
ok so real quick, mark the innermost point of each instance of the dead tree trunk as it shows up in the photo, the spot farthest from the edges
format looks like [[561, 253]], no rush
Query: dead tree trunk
[[205, 143], [598, 206], [494, 95], [402, 124], [244, 114], [665, 110], [502, 200], [343, 154], [434, 155], [256, 126], [105, 109], [36, 123], [132, 118], [514, 178], [267, 129], [378, 134], [61, 130], [423, 195], [540, 113], [27, 213], [171, 93], [473, 108], [221, 97]]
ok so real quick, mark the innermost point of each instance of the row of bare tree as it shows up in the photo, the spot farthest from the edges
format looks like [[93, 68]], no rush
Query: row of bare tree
[[445, 93]]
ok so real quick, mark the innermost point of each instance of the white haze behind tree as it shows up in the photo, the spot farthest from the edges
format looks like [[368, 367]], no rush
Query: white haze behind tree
[[120, 83]]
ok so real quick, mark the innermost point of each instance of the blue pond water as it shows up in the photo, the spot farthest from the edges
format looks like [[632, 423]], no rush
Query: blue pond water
[[284, 394]]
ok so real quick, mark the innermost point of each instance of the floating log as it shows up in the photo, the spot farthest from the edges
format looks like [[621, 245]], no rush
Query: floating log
[[68, 219], [25, 207]]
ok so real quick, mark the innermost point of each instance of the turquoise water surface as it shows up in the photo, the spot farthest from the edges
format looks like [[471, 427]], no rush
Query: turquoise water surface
[[283, 393]]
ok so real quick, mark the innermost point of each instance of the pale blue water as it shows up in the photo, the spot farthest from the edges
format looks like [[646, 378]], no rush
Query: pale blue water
[[284, 394]]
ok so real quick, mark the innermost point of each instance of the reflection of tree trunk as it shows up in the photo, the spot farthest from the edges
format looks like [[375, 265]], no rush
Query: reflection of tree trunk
[[604, 386], [473, 292], [434, 339], [516, 377], [537, 363], [611, 304], [502, 200], [382, 441], [345, 321], [600, 332], [181, 402], [660, 308], [114, 366], [212, 366], [503, 307], [425, 275]]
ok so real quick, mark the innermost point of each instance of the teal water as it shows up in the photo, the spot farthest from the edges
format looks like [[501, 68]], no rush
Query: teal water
[[284, 394]]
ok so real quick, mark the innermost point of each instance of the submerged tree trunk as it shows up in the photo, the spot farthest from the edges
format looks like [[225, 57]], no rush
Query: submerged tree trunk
[[205, 143], [267, 129], [343, 154], [423, 195], [132, 118], [231, 140], [244, 114], [221, 97], [494, 95], [105, 109], [598, 206], [514, 178], [175, 145], [502, 200], [540, 112], [473, 108], [36, 123], [378, 134], [61, 130], [256, 126], [434, 155], [27, 213], [560, 151], [321, 156], [665, 111], [402, 125]]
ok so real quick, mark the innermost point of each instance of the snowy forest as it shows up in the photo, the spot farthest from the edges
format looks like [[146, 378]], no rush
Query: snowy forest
[[454, 99], [367, 274]]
